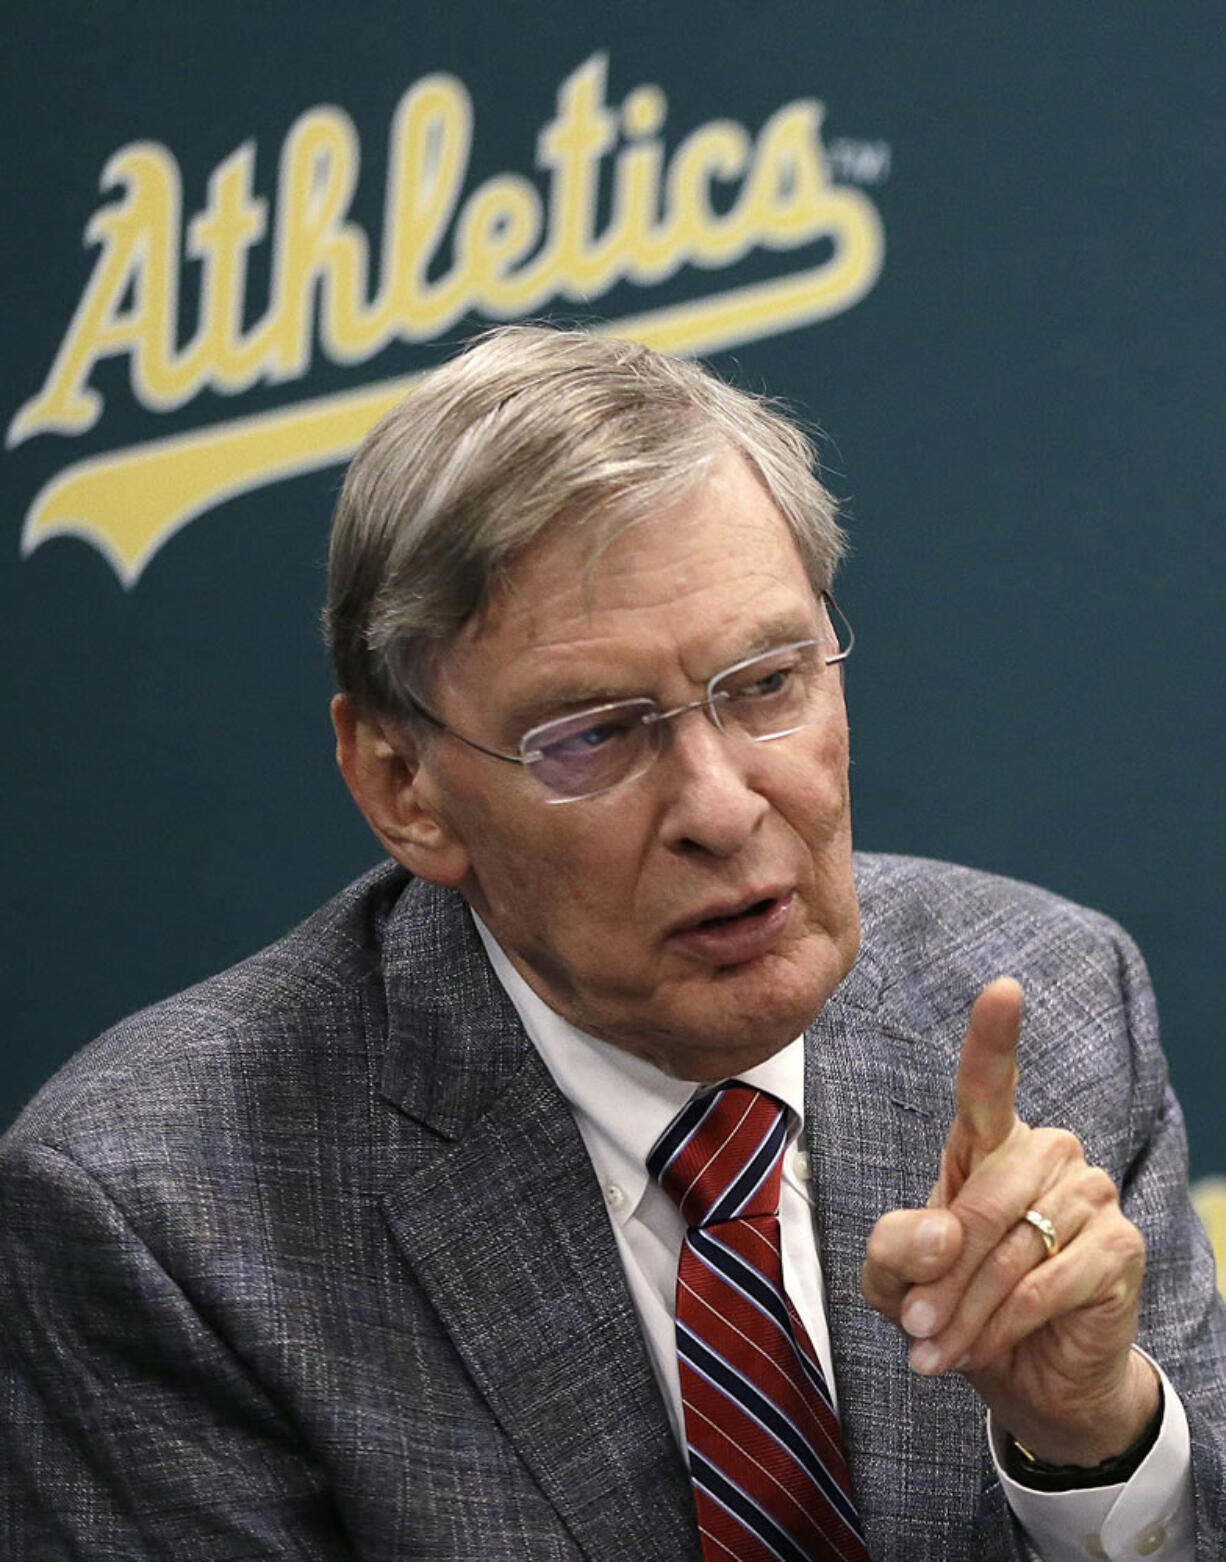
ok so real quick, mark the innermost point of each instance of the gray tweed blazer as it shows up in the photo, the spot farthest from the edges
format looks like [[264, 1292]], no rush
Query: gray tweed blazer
[[309, 1262]]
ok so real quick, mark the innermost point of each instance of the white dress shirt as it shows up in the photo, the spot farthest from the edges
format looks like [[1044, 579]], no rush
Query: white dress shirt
[[622, 1104]]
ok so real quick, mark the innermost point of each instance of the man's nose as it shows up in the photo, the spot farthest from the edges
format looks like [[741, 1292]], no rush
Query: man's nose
[[711, 804]]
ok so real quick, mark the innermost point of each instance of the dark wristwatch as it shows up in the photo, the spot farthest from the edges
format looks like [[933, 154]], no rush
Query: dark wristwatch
[[1039, 1475]]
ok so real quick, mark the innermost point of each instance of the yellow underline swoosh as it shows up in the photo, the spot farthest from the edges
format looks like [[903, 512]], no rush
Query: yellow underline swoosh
[[129, 503]]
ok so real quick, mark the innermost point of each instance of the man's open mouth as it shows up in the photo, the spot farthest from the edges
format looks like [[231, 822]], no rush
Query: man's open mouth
[[757, 909]]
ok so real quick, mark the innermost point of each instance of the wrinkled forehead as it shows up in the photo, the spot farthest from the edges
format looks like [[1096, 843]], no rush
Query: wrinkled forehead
[[717, 565], [585, 544]]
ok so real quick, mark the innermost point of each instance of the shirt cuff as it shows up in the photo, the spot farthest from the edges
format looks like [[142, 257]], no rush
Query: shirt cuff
[[1148, 1517]]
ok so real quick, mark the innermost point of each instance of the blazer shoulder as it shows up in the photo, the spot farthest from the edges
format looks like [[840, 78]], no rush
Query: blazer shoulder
[[917, 908], [281, 1021], [934, 934]]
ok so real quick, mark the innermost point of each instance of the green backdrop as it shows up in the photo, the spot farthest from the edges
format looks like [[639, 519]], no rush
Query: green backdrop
[[1022, 413]]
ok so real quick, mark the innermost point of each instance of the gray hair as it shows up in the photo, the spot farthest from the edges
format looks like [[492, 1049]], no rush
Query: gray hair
[[526, 429]]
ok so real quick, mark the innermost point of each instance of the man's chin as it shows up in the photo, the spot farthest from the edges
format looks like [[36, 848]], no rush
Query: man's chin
[[735, 1023], [699, 1021]]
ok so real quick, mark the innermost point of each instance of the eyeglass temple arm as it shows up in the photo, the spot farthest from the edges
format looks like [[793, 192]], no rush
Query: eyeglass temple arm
[[441, 726], [844, 650]]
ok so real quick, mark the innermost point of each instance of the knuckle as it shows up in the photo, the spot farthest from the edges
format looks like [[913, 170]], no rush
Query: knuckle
[[1120, 1300], [1029, 1299], [1098, 1186], [1004, 1266], [1130, 1244], [1121, 1294], [1029, 1303], [1059, 1144], [1011, 1322], [984, 1216], [1120, 1246]]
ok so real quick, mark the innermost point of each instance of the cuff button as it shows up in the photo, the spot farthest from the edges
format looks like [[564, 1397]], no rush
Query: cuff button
[[1150, 1540]]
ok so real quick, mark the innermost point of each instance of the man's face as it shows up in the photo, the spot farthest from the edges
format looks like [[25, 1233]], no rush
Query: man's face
[[701, 914]]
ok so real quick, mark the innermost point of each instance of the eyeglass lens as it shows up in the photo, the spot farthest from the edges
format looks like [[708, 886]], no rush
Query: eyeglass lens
[[766, 697]]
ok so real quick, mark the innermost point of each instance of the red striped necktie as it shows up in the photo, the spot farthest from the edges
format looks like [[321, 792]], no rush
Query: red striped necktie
[[766, 1458]]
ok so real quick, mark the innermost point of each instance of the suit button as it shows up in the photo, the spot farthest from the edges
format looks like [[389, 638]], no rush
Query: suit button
[[1150, 1540]]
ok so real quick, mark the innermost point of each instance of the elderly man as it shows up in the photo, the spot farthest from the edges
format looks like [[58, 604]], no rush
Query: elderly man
[[623, 1171]]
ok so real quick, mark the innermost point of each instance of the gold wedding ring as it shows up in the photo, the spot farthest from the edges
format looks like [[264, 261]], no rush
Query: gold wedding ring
[[1046, 1230]]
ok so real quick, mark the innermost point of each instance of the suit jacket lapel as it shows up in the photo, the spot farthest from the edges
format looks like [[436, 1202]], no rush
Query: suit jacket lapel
[[499, 1216], [503, 1226], [878, 1108]]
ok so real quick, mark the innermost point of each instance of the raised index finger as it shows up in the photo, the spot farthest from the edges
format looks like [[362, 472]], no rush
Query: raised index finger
[[987, 1069]]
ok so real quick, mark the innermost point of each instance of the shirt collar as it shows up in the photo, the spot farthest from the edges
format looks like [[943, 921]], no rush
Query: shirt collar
[[623, 1103]]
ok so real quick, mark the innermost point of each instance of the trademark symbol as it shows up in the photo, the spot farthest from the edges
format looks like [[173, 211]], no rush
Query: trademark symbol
[[859, 162]]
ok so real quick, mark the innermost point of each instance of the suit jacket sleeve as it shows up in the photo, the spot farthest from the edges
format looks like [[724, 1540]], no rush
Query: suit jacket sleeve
[[1183, 1321], [882, 1058], [299, 1264], [124, 1417]]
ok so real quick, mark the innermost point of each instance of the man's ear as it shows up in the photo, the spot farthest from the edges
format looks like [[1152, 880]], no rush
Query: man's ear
[[399, 801]]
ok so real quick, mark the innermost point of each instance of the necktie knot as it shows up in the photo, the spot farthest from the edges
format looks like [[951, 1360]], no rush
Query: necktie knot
[[720, 1157]]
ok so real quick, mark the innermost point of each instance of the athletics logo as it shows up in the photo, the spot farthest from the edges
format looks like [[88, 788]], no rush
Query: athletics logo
[[511, 253]]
